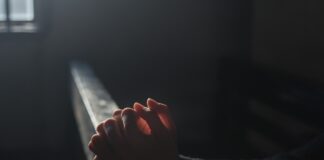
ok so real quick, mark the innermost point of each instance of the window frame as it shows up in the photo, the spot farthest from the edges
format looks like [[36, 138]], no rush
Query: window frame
[[36, 22]]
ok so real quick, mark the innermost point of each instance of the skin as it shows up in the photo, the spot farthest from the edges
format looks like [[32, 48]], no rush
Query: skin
[[141, 132]]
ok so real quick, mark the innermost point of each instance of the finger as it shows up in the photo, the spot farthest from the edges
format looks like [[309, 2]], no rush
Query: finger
[[101, 130], [163, 112], [152, 119], [99, 147], [117, 112], [130, 120], [116, 140], [96, 158], [118, 119]]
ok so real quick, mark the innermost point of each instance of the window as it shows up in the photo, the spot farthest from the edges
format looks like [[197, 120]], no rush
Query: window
[[2, 10], [17, 16]]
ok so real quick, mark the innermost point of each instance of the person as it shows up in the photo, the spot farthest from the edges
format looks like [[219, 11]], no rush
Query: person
[[141, 132], [148, 133]]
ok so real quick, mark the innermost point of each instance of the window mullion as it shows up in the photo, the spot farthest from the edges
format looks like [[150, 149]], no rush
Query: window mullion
[[7, 9]]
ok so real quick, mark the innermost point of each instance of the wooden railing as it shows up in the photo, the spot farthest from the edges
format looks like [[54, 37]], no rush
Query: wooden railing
[[91, 102]]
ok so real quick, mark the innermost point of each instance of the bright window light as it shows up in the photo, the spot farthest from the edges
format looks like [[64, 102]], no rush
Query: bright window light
[[2, 10], [21, 10]]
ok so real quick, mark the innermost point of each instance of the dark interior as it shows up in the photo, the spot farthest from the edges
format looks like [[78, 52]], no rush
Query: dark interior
[[215, 62]]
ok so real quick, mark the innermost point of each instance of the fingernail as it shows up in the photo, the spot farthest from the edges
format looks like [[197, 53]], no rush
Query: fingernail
[[156, 102], [152, 100], [137, 104]]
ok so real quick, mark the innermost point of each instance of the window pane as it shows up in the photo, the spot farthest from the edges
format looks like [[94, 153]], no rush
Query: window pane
[[2, 10], [21, 10]]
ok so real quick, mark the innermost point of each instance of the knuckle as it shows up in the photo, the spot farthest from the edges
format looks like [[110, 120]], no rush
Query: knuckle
[[100, 127], [117, 112]]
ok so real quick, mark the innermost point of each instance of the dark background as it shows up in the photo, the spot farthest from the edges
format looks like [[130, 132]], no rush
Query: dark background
[[171, 50]]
